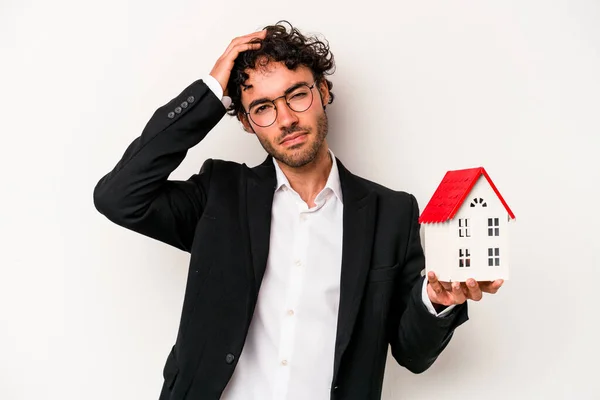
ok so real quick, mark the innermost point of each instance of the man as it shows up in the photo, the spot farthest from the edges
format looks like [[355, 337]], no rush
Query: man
[[301, 273]]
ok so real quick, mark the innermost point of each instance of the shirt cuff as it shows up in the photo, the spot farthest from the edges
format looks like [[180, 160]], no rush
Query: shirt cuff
[[429, 305], [216, 88]]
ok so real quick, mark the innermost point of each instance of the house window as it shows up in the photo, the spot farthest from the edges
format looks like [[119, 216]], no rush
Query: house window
[[493, 227], [464, 227], [479, 201], [464, 258], [494, 257]]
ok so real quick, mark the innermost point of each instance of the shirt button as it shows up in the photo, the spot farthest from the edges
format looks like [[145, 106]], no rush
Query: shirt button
[[303, 217], [290, 312], [298, 263], [284, 363], [229, 358]]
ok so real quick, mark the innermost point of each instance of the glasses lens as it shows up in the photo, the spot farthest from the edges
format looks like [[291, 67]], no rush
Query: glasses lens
[[300, 99], [263, 114]]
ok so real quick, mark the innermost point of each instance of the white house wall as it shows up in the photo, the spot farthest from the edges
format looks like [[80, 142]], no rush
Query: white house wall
[[439, 244], [480, 242]]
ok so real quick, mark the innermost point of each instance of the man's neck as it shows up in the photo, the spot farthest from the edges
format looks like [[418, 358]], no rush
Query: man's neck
[[309, 180]]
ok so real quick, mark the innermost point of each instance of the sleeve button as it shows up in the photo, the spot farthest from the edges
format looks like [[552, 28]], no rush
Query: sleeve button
[[178, 110], [190, 99], [184, 104], [171, 114]]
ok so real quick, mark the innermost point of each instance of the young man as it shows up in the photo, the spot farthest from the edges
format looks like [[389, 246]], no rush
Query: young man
[[301, 273]]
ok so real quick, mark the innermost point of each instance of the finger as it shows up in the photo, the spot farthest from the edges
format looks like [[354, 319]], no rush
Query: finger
[[261, 33], [447, 286], [246, 38], [473, 290], [434, 283], [465, 289], [496, 285], [231, 54], [491, 287], [458, 294]]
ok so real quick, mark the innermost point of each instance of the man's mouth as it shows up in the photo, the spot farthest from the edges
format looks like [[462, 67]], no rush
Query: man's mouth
[[294, 138]]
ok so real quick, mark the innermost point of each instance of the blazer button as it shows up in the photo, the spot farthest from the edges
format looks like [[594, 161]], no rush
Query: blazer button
[[171, 114], [178, 110], [190, 99], [229, 358]]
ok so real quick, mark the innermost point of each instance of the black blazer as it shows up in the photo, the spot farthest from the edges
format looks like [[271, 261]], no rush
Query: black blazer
[[222, 216]]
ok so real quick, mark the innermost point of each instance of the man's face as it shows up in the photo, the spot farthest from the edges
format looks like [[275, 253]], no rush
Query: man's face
[[295, 138]]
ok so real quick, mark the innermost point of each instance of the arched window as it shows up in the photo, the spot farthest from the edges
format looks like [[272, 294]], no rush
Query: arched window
[[478, 201]]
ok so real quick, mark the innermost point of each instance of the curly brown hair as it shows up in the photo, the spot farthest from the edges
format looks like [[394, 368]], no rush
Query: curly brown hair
[[281, 45]]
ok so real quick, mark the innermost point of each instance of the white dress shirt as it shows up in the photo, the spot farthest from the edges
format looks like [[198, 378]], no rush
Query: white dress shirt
[[290, 346], [289, 350]]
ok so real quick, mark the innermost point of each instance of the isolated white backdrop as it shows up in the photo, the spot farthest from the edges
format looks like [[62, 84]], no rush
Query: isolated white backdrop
[[89, 310]]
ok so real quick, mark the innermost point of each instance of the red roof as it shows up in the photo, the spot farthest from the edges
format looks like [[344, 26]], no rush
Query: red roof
[[452, 192]]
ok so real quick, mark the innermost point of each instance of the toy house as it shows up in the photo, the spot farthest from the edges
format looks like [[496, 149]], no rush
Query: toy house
[[466, 228]]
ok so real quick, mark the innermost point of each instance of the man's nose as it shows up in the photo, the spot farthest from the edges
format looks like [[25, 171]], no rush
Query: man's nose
[[286, 117]]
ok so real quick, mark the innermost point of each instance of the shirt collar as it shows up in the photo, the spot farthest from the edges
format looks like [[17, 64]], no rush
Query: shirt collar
[[333, 181]]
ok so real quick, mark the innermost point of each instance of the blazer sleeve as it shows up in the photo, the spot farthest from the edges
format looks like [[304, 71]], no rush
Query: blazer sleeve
[[137, 194], [417, 336]]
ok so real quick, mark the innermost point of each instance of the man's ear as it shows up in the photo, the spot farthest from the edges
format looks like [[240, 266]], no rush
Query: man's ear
[[324, 90], [243, 117]]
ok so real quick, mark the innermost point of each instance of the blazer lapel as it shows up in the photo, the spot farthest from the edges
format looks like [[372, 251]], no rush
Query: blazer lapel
[[259, 192], [360, 207]]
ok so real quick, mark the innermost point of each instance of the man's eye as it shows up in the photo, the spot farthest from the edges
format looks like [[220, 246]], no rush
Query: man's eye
[[297, 96], [261, 109]]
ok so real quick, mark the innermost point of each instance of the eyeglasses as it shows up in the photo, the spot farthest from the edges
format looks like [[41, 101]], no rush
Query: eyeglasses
[[264, 114]]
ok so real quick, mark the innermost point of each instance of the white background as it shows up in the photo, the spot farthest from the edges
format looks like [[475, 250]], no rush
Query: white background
[[89, 310]]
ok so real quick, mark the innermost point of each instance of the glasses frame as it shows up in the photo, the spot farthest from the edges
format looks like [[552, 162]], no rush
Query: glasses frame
[[287, 103]]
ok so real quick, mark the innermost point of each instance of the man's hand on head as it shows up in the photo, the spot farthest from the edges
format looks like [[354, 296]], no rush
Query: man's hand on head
[[222, 69]]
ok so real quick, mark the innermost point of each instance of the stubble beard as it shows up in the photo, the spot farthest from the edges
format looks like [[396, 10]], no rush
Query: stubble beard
[[300, 154]]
